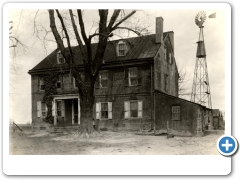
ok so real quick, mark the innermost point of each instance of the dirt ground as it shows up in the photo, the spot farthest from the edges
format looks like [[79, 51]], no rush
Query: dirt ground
[[110, 143]]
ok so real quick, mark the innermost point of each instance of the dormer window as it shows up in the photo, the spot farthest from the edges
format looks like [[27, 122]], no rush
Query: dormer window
[[121, 48], [60, 58]]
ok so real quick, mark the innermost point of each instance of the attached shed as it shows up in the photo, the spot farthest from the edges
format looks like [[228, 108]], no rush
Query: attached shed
[[178, 116]]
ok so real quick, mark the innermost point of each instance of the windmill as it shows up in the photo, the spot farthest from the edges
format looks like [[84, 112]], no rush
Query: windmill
[[201, 87]]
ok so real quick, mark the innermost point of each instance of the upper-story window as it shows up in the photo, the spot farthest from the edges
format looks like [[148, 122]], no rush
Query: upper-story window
[[59, 82], [165, 53], [170, 58], [103, 79], [60, 58], [166, 83], [133, 76], [41, 84], [122, 48]]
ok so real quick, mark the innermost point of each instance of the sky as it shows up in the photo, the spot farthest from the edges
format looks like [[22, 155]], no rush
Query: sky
[[181, 21]]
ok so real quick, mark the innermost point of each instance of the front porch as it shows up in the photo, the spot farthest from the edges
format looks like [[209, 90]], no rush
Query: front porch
[[66, 110]]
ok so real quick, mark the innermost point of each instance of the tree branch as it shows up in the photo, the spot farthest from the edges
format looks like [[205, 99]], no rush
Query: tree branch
[[129, 29], [82, 26], [113, 19], [62, 49], [122, 20], [80, 44]]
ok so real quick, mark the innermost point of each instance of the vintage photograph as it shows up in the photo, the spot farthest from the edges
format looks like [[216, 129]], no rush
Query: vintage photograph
[[116, 81]]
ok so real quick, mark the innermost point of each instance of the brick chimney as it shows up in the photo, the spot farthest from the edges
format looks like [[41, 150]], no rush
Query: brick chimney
[[159, 30]]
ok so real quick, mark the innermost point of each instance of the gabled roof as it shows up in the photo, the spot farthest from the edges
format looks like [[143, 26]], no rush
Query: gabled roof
[[140, 48]]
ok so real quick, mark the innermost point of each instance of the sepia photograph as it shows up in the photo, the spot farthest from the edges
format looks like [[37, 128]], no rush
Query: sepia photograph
[[108, 81]]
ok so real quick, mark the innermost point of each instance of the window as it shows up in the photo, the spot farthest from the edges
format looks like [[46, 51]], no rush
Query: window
[[41, 84], [165, 53], [104, 110], [133, 76], [73, 81], [166, 79], [175, 112], [170, 58], [133, 109], [103, 79], [121, 49], [59, 108], [60, 58], [59, 83], [44, 110], [41, 109]]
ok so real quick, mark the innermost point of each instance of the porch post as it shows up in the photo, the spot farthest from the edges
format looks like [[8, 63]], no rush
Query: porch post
[[79, 111], [54, 112], [72, 112]]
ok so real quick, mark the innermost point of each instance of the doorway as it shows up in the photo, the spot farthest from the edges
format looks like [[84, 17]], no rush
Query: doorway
[[75, 107]]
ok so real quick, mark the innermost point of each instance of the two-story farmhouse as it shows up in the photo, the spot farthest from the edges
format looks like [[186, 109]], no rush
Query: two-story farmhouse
[[137, 88]]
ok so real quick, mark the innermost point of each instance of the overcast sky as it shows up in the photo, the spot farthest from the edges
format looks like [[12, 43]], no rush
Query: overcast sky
[[182, 22]]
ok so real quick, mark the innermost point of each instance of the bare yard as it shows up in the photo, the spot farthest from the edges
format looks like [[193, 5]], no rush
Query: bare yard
[[111, 143]]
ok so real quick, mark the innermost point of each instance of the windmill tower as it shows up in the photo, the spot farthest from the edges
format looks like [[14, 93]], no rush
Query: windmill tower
[[201, 87]]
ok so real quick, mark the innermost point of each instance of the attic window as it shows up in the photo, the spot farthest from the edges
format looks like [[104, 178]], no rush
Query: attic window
[[121, 48], [60, 58]]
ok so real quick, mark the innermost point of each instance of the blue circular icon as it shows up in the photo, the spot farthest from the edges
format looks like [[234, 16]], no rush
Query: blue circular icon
[[227, 145]]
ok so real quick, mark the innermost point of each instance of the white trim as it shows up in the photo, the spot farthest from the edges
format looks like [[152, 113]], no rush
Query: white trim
[[79, 112], [72, 112]]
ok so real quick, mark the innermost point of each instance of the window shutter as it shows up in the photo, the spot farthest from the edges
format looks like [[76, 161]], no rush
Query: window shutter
[[39, 88], [53, 108], [109, 110], [117, 49], [139, 109], [97, 110], [39, 109], [126, 79], [126, 109], [97, 83], [139, 76], [125, 48], [167, 83]]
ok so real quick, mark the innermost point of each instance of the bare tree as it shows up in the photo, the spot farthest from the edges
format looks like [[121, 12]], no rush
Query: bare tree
[[184, 90], [91, 62], [15, 46]]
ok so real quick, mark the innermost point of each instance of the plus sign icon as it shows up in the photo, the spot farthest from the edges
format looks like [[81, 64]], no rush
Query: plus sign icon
[[227, 145]]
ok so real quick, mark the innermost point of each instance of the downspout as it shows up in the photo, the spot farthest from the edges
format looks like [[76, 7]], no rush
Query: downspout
[[152, 104]]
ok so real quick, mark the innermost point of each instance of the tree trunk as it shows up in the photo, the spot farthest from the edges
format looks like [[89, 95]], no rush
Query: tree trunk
[[86, 97]]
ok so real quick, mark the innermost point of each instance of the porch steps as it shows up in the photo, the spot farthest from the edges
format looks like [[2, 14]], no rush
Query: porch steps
[[63, 130]]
